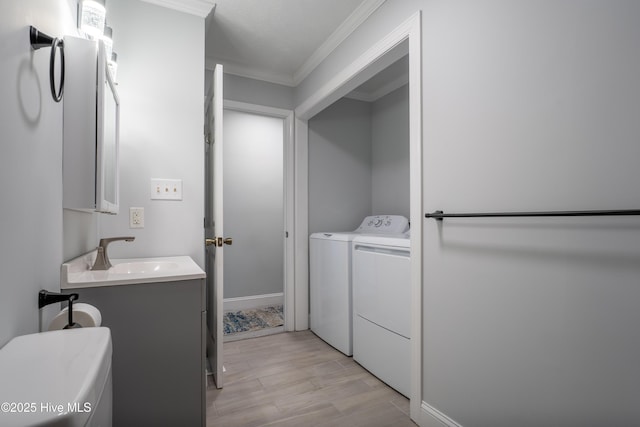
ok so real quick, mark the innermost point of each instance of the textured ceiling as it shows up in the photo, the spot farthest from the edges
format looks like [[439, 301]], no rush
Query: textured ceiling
[[278, 40], [193, 7], [283, 40]]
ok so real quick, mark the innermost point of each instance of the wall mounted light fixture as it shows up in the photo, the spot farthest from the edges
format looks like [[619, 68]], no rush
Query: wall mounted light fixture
[[92, 22], [92, 17], [107, 38], [113, 66]]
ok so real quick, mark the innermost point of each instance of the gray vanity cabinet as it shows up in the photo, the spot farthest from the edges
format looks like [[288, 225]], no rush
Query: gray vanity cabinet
[[158, 332]]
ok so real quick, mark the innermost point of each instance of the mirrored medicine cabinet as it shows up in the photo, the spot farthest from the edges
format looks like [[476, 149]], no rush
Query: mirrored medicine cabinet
[[91, 126]]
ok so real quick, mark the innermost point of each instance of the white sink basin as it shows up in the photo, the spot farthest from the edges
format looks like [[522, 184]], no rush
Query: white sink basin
[[142, 267], [77, 273], [55, 378]]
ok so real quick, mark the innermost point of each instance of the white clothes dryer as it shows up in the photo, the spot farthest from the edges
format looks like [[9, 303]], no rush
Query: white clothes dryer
[[382, 307], [330, 293]]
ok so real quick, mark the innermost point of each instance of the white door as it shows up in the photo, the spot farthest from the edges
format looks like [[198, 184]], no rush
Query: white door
[[214, 227]]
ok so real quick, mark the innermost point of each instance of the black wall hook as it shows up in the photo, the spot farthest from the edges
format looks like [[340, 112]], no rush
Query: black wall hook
[[39, 40], [45, 298]]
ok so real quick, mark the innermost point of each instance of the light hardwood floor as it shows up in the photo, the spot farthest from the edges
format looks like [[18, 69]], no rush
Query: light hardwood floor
[[296, 379]]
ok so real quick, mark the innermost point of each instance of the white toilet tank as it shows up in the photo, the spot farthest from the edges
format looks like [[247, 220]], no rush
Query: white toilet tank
[[58, 378]]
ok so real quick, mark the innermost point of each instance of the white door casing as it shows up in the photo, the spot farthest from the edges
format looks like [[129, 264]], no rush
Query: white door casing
[[382, 53], [289, 231]]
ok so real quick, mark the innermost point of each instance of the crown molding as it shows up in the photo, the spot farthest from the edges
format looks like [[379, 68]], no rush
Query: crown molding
[[353, 21], [199, 8], [391, 48]]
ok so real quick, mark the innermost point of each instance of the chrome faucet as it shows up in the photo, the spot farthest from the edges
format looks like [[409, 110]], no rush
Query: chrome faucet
[[102, 259]]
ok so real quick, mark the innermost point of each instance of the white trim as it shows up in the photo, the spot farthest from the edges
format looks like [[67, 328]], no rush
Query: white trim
[[290, 239], [380, 92], [357, 72], [431, 417], [193, 7], [301, 220], [264, 110], [253, 301], [353, 21], [383, 53], [289, 197], [416, 196], [253, 334]]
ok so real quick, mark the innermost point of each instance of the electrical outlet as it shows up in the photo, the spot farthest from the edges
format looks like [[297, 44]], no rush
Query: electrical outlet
[[136, 217], [166, 189]]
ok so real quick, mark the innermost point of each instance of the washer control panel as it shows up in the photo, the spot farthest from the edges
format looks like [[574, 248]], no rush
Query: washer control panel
[[387, 224]]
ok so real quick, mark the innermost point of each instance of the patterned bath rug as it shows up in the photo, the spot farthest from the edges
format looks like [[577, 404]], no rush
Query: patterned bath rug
[[252, 320]]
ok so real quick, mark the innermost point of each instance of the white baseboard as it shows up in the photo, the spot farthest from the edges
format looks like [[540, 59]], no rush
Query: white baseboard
[[253, 301], [431, 417], [253, 334]]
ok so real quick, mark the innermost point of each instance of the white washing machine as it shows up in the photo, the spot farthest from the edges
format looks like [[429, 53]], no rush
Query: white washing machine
[[382, 307], [330, 293]]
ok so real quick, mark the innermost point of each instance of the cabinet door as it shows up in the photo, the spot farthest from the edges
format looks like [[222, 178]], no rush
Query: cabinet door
[[157, 365], [91, 120], [79, 124]]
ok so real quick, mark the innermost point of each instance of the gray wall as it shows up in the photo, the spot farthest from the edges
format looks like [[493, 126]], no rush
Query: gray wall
[[161, 134], [252, 91], [526, 106], [547, 120], [30, 165], [253, 204], [340, 166], [359, 153], [390, 154]]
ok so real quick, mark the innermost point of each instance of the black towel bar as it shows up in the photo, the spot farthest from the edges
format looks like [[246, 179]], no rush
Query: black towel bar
[[441, 215]]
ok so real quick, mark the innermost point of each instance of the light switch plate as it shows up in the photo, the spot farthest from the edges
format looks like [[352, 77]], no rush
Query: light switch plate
[[166, 189], [136, 217]]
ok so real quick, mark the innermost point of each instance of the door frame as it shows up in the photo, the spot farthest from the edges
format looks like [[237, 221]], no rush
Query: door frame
[[383, 53], [288, 161]]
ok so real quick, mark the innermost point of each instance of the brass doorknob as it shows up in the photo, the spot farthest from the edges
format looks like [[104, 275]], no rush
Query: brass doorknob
[[219, 241]]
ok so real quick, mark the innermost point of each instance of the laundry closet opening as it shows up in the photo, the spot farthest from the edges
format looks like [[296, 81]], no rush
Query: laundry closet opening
[[359, 205], [359, 153], [254, 213]]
